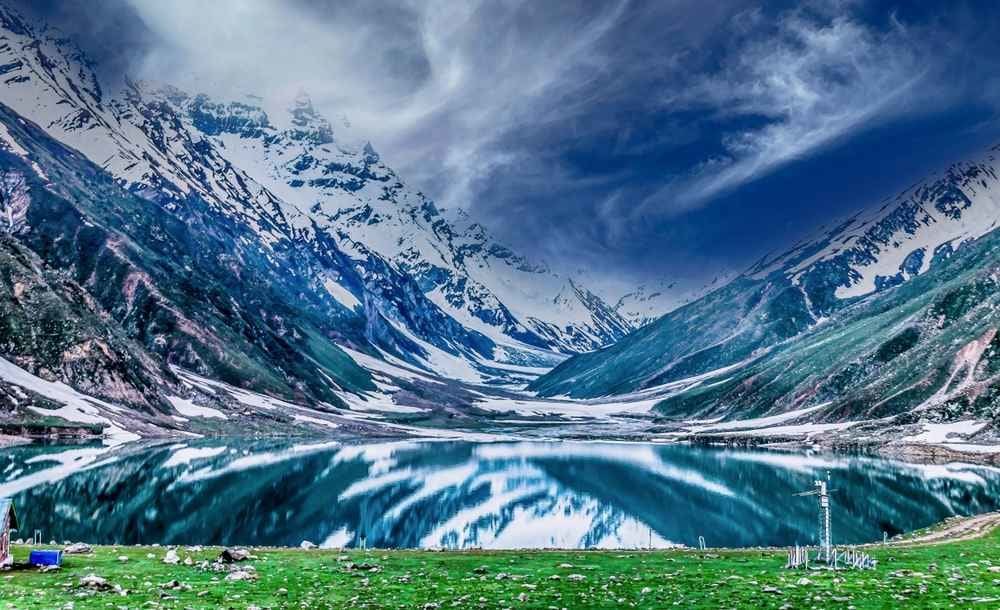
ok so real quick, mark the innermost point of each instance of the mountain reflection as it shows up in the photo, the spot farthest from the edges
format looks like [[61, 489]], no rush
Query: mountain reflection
[[466, 494]]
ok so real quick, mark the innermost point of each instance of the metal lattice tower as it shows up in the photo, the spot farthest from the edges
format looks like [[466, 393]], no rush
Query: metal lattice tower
[[823, 492]]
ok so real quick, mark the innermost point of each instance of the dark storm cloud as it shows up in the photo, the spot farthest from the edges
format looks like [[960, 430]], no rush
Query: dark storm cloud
[[109, 31]]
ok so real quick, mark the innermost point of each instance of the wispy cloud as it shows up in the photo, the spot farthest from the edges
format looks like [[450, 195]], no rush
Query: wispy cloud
[[802, 85]]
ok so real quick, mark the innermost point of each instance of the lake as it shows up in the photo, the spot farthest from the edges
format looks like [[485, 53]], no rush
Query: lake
[[458, 494]]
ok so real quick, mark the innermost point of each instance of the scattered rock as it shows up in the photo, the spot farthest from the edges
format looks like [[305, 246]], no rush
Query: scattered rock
[[480, 570], [92, 581], [803, 581], [47, 568], [770, 589], [576, 577], [78, 548], [123, 558], [242, 574], [171, 557], [307, 545]]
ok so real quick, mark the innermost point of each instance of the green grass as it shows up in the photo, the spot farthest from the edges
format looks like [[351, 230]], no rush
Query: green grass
[[948, 575]]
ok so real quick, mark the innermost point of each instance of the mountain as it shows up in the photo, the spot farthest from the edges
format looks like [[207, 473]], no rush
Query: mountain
[[436, 291], [892, 309], [925, 350], [270, 250], [651, 300], [160, 234]]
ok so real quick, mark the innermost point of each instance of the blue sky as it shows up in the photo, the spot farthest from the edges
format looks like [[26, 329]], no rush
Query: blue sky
[[638, 140]]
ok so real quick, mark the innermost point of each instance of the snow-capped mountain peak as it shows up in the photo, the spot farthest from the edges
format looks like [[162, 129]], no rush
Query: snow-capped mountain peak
[[898, 239]]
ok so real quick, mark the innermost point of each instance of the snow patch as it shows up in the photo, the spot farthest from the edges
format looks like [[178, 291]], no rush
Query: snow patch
[[186, 407], [941, 433]]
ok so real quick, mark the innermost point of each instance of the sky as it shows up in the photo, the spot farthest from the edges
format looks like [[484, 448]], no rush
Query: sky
[[636, 141]]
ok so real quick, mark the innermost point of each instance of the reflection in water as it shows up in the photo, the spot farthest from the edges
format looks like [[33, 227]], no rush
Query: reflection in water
[[464, 494]]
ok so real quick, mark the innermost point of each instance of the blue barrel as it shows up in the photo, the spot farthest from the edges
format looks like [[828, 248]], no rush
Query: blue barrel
[[45, 558]]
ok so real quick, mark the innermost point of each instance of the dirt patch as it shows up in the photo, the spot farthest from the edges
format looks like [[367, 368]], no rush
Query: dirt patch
[[953, 530]]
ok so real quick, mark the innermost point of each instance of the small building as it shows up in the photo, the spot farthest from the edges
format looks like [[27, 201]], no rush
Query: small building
[[8, 522]]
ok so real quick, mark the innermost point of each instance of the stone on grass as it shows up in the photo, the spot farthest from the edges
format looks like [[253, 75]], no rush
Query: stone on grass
[[242, 574], [307, 545], [171, 557], [92, 581], [78, 548], [234, 555]]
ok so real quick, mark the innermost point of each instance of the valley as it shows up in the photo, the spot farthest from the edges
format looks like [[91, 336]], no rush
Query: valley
[[182, 266]]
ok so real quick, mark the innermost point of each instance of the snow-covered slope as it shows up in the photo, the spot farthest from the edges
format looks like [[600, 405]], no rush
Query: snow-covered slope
[[348, 193], [297, 180], [651, 300], [902, 237]]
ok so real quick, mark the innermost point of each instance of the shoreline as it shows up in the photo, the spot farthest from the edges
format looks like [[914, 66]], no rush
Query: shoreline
[[950, 564], [950, 529], [918, 453]]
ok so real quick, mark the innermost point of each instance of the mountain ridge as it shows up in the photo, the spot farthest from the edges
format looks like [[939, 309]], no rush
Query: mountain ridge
[[168, 145], [781, 297]]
